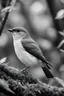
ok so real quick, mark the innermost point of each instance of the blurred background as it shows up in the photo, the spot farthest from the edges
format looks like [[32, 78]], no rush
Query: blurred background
[[38, 19]]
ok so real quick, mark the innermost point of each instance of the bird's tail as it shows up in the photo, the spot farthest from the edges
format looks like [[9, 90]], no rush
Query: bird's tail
[[47, 72], [48, 64]]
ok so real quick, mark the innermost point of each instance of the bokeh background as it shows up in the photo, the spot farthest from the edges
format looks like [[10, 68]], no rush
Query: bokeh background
[[35, 16]]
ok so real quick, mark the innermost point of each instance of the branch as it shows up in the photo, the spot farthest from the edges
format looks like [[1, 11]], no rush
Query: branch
[[4, 19], [22, 83]]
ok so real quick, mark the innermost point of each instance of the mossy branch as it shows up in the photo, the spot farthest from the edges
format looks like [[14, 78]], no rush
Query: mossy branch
[[22, 83]]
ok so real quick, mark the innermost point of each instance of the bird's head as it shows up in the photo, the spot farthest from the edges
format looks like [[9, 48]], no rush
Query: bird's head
[[18, 32]]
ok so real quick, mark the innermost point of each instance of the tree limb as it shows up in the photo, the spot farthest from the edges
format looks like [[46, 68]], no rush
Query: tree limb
[[4, 19], [22, 83]]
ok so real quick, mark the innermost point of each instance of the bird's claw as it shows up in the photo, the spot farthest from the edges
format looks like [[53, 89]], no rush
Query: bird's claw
[[26, 68]]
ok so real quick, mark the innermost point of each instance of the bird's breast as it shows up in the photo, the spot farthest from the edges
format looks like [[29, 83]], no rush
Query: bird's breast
[[25, 57]]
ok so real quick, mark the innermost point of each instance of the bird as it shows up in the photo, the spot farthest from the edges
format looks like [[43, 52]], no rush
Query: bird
[[28, 51]]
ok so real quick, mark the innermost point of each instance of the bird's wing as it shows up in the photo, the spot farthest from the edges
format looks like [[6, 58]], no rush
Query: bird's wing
[[31, 47]]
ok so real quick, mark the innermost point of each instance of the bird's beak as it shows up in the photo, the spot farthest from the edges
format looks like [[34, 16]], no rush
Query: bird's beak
[[10, 30]]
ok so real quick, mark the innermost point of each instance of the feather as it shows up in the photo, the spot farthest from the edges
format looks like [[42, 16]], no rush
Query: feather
[[47, 72], [31, 46]]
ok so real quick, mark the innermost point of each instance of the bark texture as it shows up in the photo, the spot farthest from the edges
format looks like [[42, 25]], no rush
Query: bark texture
[[22, 83]]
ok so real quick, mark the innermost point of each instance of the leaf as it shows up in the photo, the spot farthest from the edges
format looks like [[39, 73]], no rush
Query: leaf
[[5, 9], [60, 14], [61, 33], [60, 81], [61, 45], [61, 50], [3, 60], [10, 8]]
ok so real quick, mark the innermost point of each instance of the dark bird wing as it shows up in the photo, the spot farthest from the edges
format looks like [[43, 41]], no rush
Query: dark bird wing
[[31, 46]]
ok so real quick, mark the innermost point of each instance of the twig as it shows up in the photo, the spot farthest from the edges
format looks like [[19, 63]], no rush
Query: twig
[[4, 19]]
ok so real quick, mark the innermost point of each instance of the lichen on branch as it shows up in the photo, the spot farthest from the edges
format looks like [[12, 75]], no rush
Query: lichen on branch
[[22, 83]]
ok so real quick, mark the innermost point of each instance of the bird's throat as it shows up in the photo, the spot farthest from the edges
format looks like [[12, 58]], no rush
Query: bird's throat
[[25, 57]]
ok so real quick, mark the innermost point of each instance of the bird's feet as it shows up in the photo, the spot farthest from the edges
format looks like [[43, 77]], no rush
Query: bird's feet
[[26, 68]]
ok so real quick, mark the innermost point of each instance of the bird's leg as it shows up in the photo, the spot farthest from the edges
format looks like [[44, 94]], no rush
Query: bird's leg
[[26, 68]]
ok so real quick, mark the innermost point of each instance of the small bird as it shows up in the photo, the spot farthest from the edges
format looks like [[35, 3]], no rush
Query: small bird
[[27, 50]]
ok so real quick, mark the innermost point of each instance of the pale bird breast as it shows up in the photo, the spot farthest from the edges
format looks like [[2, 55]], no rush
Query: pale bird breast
[[23, 55]]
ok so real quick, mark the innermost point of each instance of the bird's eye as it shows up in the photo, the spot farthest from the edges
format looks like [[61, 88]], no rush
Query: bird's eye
[[18, 30]]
